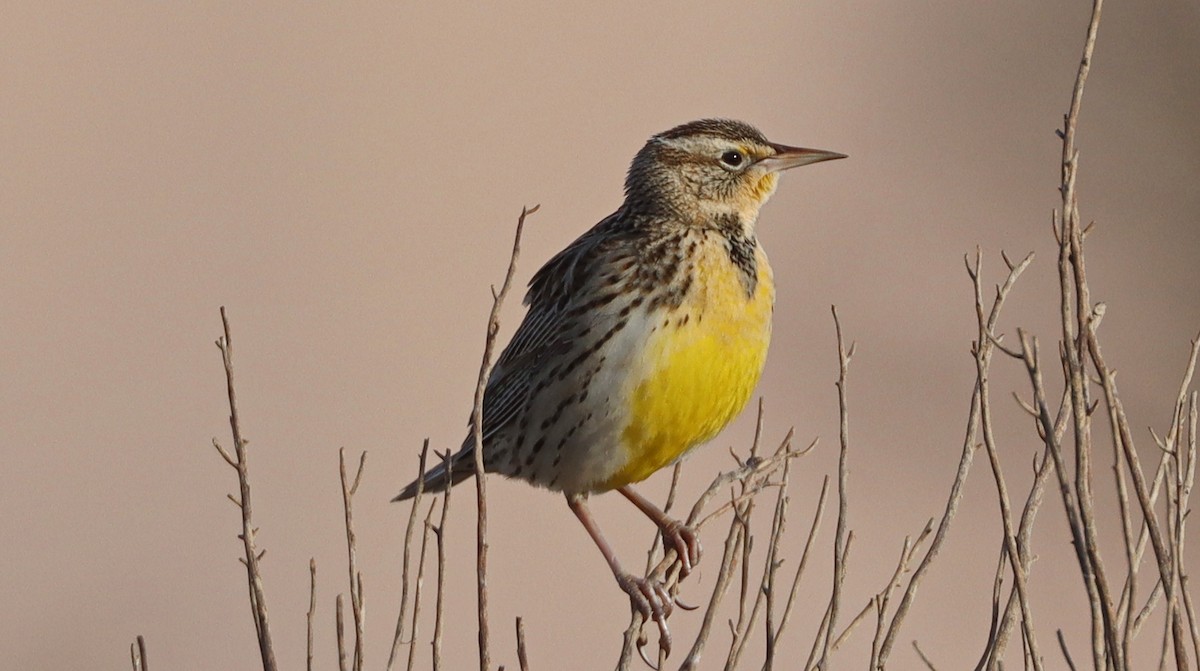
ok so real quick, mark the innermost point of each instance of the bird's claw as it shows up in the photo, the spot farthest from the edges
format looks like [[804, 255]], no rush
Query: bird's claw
[[641, 648], [684, 605], [650, 598], [686, 543]]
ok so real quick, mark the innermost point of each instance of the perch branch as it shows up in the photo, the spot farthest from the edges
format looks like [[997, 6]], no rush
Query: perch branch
[[258, 602]]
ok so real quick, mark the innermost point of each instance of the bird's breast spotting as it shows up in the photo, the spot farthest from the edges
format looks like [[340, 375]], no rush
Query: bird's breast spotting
[[701, 362]]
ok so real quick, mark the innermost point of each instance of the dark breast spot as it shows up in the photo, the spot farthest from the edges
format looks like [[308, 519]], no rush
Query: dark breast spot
[[742, 251]]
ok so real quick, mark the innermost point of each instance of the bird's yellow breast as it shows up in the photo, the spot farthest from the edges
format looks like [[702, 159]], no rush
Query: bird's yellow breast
[[701, 364]]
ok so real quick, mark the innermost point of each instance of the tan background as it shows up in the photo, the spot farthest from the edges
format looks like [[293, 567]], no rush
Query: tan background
[[345, 180]]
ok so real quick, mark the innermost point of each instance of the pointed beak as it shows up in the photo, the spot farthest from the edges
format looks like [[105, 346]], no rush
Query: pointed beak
[[791, 157]]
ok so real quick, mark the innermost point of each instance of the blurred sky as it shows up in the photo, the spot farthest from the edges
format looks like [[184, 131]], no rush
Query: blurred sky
[[345, 179]]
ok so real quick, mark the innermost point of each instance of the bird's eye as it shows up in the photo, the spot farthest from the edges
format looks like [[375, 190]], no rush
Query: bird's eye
[[733, 158]]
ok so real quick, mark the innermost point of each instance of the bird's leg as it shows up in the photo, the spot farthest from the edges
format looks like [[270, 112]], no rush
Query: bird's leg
[[648, 597], [676, 534]]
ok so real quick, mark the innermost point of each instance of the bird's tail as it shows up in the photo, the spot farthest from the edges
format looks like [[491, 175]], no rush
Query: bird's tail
[[462, 466]]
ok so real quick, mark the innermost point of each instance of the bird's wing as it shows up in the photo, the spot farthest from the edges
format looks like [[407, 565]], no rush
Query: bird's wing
[[547, 329]]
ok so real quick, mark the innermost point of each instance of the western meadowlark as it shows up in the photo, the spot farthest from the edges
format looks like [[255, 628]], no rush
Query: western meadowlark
[[643, 338]]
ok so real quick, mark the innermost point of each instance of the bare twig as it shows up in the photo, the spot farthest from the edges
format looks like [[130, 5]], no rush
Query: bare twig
[[872, 604], [1062, 644], [1152, 602], [1076, 322], [729, 561], [356, 598], [964, 467], [818, 639], [1124, 610], [997, 642], [881, 600], [756, 470], [312, 608], [741, 628], [1161, 551], [812, 534], [340, 623], [1031, 356], [485, 370], [764, 595], [439, 533], [404, 572], [137, 654], [839, 545], [778, 525], [412, 647], [1020, 580], [1143, 540], [258, 602], [824, 631], [1183, 506], [924, 659], [522, 657]]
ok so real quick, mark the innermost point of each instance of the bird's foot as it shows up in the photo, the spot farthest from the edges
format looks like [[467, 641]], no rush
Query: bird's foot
[[650, 598], [686, 543]]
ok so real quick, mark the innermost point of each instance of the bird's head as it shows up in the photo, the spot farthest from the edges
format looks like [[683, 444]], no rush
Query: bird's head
[[712, 167]]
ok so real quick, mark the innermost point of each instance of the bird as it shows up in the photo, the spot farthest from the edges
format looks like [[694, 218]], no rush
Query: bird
[[642, 339]]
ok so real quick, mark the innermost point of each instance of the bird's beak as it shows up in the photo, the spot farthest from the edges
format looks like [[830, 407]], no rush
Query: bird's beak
[[791, 157]]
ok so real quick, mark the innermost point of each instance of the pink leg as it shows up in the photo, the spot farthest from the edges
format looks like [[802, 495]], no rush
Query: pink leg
[[676, 534], [648, 597]]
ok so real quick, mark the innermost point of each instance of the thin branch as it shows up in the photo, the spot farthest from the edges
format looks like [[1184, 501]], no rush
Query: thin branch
[[808, 543], [994, 651], [741, 629], [881, 600], [755, 470], [1077, 321], [762, 468], [1190, 481], [825, 631], [1152, 601], [137, 654], [839, 545], [1127, 597], [439, 533], [872, 604], [522, 656], [1020, 580], [764, 595], [1062, 644], [1031, 356], [312, 608], [356, 596], [404, 572], [229, 460], [1161, 551], [340, 623], [960, 477], [485, 370], [778, 525], [749, 490], [258, 602], [729, 561], [1124, 623], [420, 581], [921, 654]]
